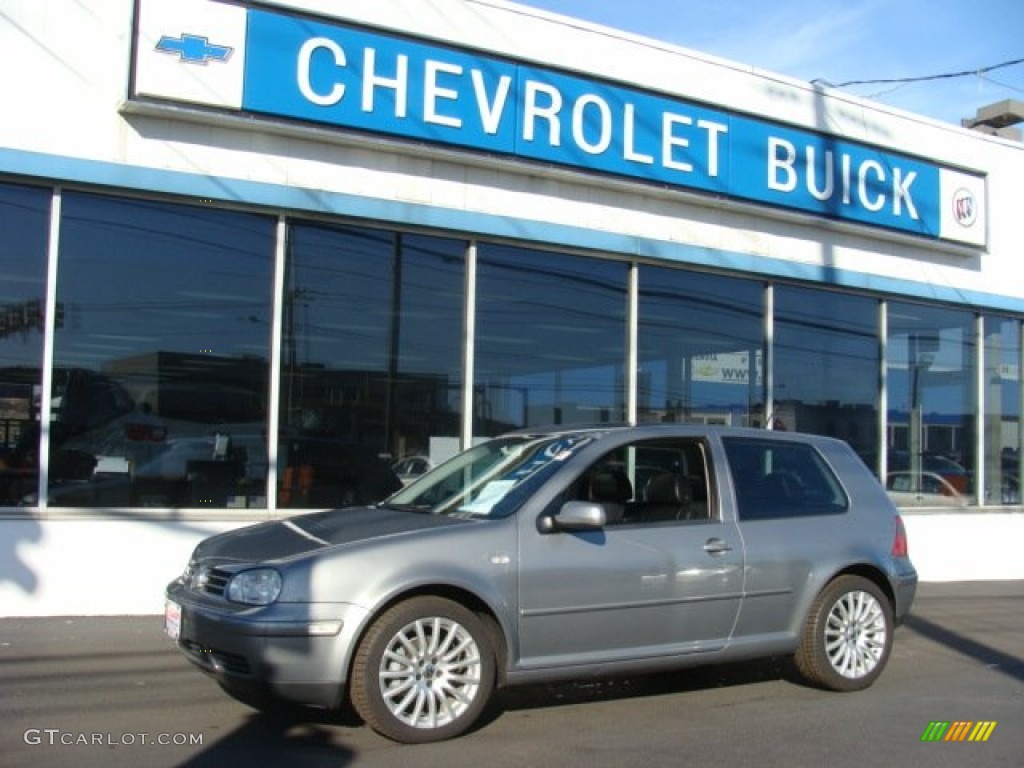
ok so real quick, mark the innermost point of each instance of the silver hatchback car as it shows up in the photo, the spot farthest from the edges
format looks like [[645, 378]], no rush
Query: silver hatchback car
[[550, 555]]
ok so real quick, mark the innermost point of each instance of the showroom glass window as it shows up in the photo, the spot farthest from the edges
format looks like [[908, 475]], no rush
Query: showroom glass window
[[161, 364], [931, 428], [24, 222], [1002, 428], [700, 339], [827, 363], [550, 339], [371, 360]]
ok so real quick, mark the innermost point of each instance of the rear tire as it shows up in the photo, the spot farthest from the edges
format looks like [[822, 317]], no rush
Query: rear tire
[[847, 638], [424, 671]]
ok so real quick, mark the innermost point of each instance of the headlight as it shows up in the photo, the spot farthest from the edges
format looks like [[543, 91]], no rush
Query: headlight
[[258, 586]]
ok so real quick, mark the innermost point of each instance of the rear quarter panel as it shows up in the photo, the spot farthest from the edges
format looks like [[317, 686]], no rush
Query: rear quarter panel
[[788, 561]]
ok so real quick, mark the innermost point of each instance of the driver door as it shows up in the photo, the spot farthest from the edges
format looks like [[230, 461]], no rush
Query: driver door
[[664, 577]]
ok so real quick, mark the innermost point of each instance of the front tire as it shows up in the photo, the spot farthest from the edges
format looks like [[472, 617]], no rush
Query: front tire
[[847, 638], [424, 671]]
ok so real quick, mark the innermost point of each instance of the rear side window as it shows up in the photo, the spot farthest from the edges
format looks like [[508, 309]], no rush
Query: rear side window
[[776, 479]]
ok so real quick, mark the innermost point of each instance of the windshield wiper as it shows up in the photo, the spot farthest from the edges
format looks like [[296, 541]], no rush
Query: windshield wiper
[[421, 509]]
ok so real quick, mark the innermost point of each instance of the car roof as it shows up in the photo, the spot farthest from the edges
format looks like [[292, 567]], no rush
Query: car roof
[[655, 430]]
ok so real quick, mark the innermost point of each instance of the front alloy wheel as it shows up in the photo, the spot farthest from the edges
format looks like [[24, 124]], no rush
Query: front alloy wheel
[[423, 672], [848, 635]]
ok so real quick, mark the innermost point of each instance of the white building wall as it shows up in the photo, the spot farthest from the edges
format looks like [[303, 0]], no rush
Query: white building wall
[[93, 567], [108, 567]]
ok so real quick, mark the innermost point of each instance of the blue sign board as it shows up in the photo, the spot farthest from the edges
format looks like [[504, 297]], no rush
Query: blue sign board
[[334, 74]]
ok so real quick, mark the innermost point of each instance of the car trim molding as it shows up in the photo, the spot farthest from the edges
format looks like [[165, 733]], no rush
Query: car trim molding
[[533, 612]]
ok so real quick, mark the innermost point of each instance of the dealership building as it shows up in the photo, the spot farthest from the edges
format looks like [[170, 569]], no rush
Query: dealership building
[[254, 252]]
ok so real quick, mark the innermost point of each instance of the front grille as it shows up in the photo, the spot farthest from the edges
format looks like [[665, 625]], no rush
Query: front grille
[[212, 581]]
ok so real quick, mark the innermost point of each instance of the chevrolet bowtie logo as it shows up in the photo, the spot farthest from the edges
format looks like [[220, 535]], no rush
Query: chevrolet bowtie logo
[[193, 49]]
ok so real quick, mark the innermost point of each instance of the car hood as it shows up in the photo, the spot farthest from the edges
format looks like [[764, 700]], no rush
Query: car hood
[[316, 531]]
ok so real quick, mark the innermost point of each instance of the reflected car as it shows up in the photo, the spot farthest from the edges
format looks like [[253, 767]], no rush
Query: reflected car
[[1009, 489], [953, 473], [923, 489], [323, 472], [411, 467], [543, 556]]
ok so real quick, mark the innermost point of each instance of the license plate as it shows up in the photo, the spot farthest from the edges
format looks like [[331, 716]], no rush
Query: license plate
[[172, 620]]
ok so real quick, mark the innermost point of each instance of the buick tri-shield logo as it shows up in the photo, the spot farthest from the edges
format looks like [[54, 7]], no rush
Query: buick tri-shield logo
[[965, 207]]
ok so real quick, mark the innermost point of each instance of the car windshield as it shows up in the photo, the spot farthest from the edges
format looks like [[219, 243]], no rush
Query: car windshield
[[491, 479]]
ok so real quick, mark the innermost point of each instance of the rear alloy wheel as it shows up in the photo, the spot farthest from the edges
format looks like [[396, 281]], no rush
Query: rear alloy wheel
[[424, 671], [848, 635]]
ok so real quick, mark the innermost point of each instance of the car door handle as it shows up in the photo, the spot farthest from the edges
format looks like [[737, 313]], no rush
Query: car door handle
[[716, 547]]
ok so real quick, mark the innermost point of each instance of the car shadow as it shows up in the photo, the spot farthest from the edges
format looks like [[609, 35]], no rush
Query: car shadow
[[1011, 666], [547, 696], [277, 729], [281, 737]]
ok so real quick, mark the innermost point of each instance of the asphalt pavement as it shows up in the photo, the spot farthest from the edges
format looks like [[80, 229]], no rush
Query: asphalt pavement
[[114, 692]]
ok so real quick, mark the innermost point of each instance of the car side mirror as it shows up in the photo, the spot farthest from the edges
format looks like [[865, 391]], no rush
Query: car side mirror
[[575, 516]]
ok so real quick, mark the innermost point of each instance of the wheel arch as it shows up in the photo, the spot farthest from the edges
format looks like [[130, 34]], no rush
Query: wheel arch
[[873, 574], [464, 597]]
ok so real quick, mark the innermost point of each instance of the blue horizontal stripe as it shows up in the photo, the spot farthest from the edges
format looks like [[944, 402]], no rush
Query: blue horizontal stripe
[[282, 198]]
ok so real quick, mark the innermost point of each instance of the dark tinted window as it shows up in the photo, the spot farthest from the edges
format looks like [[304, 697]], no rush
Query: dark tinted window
[[550, 340], [932, 390], [827, 361], [161, 362], [1002, 410], [700, 343], [781, 479], [24, 224], [371, 367]]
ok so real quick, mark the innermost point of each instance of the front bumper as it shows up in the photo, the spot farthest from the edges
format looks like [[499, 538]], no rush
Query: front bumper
[[298, 652]]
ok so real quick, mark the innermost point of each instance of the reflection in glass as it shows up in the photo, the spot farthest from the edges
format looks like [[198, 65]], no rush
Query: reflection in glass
[[162, 348], [550, 333], [161, 364], [930, 374], [371, 369], [1002, 432], [491, 479], [700, 342], [24, 222], [826, 366]]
